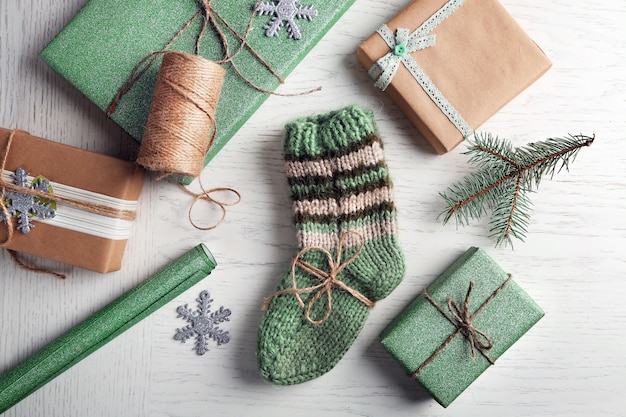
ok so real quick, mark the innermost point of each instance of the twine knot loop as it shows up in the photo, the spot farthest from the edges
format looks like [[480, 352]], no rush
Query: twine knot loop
[[205, 195], [462, 319], [328, 279]]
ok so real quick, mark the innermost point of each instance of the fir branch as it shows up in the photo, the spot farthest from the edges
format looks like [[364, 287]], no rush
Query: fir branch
[[491, 151], [505, 178]]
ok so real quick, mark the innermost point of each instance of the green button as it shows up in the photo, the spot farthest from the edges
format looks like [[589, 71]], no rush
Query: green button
[[400, 50]]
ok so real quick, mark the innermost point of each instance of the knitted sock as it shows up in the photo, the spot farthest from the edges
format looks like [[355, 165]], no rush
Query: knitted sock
[[342, 201]]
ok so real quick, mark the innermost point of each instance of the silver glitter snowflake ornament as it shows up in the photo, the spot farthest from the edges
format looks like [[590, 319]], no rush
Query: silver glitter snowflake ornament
[[204, 324], [25, 206], [285, 11]]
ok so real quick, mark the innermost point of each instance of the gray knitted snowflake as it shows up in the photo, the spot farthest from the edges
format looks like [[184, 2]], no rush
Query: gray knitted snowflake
[[204, 324], [24, 206], [285, 11]]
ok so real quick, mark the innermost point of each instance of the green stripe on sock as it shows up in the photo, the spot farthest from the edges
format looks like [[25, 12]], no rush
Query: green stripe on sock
[[385, 215], [312, 226], [361, 180]]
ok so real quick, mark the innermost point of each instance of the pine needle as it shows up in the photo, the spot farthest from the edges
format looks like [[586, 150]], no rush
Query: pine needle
[[505, 178]]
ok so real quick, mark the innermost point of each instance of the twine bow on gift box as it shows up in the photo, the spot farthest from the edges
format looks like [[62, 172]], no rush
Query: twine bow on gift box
[[461, 318], [329, 279], [401, 46]]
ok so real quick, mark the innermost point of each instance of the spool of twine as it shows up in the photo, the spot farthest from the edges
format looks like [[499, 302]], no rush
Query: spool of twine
[[181, 122]]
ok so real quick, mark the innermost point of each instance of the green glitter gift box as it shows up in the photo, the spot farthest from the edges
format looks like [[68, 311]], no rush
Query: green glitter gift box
[[103, 43], [460, 325]]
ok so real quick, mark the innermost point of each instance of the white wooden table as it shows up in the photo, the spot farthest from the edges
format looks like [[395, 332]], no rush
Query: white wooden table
[[573, 263]]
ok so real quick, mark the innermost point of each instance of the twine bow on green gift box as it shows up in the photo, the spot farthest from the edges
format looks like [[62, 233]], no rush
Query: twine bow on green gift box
[[460, 325], [461, 318], [402, 45]]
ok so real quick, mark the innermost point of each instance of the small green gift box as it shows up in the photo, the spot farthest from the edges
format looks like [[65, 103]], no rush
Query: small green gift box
[[460, 325], [104, 42]]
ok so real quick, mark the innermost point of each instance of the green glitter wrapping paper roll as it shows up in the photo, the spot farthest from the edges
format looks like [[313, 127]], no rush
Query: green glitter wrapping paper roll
[[93, 333], [420, 329], [101, 45]]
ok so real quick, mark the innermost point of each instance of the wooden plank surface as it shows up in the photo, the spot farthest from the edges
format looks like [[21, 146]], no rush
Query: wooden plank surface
[[573, 262]]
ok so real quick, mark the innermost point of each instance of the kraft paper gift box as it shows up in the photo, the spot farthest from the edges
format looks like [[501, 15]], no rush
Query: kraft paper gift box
[[101, 45], [467, 58], [75, 236], [446, 349]]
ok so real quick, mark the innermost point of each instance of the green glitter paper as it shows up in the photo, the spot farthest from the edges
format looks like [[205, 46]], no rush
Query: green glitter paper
[[420, 329], [101, 45], [102, 327]]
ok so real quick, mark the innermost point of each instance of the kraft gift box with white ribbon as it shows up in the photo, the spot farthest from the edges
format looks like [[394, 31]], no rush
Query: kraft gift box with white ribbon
[[451, 65], [95, 197]]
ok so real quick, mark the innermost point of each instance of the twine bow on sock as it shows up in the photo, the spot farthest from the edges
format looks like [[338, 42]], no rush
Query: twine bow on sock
[[329, 279], [461, 318]]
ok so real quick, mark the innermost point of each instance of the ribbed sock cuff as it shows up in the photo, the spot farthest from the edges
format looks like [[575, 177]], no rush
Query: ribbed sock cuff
[[326, 134]]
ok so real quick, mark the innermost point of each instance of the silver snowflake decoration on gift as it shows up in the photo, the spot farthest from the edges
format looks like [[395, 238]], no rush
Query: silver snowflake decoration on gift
[[25, 206], [204, 324], [285, 11]]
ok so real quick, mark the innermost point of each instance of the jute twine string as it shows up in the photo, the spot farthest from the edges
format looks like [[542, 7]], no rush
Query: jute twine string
[[210, 17], [31, 268], [9, 221], [461, 318], [181, 123], [205, 195], [328, 279]]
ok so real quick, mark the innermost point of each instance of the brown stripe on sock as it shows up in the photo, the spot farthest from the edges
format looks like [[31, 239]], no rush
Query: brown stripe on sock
[[365, 156], [351, 203], [320, 168]]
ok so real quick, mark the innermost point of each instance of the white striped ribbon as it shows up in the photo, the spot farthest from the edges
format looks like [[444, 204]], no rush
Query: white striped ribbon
[[71, 218]]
